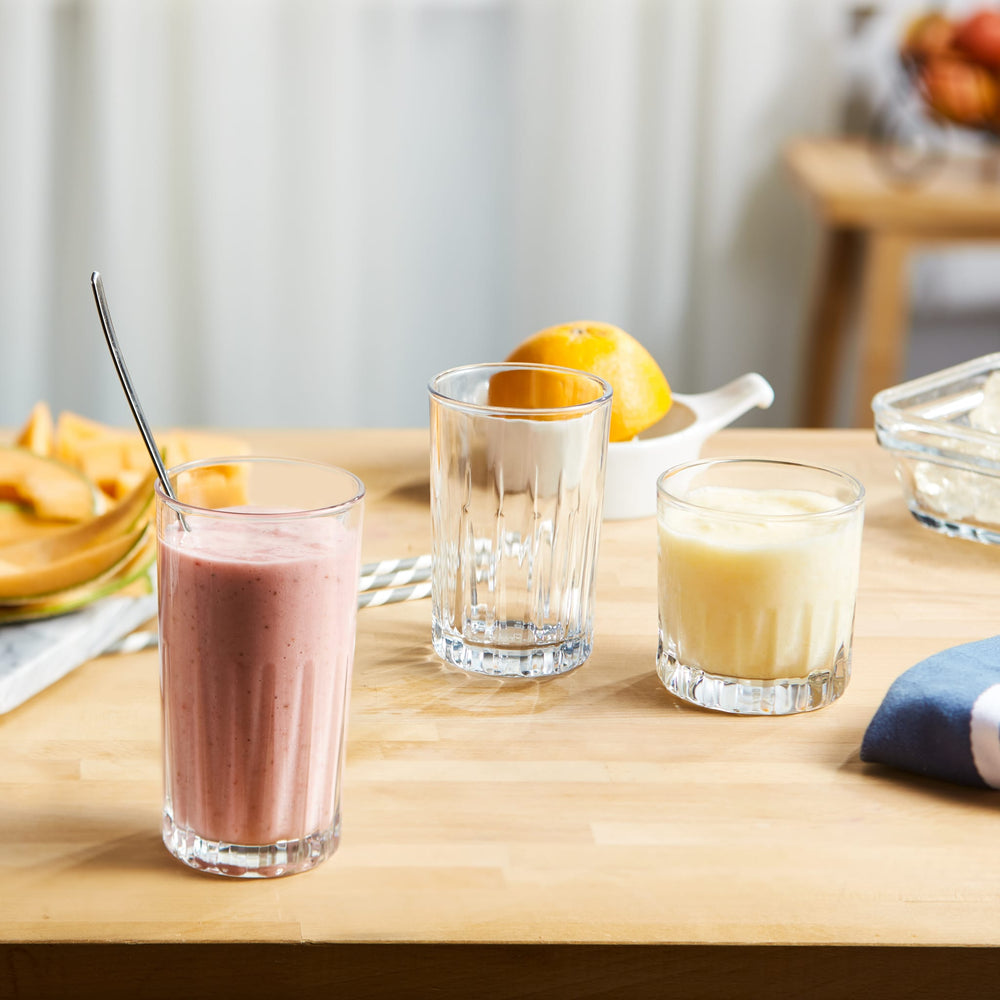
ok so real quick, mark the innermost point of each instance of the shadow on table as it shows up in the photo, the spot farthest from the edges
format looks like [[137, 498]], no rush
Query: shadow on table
[[643, 692], [67, 840], [430, 683], [905, 783], [409, 675], [418, 491]]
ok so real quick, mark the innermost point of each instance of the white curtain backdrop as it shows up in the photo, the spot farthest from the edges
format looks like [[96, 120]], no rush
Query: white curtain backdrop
[[303, 209]]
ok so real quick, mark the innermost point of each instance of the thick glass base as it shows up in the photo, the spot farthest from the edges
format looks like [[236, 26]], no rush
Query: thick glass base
[[547, 660], [745, 696], [956, 529], [286, 857]]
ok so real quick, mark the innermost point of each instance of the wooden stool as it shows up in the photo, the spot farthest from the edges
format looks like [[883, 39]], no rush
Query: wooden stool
[[873, 225]]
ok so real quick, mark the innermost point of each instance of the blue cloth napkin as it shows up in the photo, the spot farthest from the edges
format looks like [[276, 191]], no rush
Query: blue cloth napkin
[[942, 717]]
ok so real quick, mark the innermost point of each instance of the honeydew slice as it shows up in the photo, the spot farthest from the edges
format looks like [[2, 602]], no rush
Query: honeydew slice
[[19, 585], [53, 490], [42, 552], [133, 574]]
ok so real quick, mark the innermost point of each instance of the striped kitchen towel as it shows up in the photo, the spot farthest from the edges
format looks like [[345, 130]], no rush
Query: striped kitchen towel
[[942, 717]]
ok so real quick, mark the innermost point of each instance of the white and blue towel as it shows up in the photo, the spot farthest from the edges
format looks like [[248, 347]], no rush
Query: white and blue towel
[[942, 717]]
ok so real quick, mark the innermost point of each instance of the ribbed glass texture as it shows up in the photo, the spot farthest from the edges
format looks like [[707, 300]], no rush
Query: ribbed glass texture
[[516, 498], [758, 577], [257, 574]]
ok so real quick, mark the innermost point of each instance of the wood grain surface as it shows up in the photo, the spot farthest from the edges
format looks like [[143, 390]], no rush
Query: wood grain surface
[[583, 836], [872, 229], [955, 199]]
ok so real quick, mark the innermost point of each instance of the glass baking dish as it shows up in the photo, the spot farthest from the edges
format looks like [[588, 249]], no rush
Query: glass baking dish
[[943, 431]]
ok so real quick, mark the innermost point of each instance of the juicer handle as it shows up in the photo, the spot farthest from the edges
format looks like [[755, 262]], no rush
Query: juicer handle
[[720, 407]]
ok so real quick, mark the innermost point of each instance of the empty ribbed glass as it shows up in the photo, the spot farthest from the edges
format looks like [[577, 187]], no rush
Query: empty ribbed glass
[[518, 456]]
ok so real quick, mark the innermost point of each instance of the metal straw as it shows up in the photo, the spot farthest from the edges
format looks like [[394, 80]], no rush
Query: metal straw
[[126, 380]]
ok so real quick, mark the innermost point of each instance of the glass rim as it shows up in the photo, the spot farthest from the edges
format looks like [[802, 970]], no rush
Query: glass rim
[[486, 408], [181, 507], [839, 511]]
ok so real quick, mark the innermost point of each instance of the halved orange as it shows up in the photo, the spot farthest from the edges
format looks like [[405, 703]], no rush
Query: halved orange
[[641, 391]]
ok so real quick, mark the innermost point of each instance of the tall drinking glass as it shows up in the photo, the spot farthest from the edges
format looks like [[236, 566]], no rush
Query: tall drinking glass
[[518, 456], [257, 566], [758, 576]]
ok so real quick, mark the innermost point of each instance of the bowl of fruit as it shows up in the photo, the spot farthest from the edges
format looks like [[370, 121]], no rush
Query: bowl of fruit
[[951, 70], [76, 507]]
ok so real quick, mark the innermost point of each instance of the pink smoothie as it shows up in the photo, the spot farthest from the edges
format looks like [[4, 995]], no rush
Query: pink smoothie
[[257, 640]]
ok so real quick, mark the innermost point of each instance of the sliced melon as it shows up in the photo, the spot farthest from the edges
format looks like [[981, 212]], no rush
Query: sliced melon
[[104, 458], [99, 451], [223, 485], [122, 518], [111, 456], [190, 446], [37, 434], [19, 522], [72, 431], [19, 584], [138, 579], [123, 483], [132, 579], [213, 486], [51, 488]]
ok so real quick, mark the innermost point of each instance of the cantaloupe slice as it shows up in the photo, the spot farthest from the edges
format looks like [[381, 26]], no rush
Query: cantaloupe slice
[[99, 451], [102, 459], [74, 540], [213, 486], [111, 455], [52, 489], [123, 483], [72, 430], [183, 446], [37, 434], [132, 578], [18, 522], [95, 563]]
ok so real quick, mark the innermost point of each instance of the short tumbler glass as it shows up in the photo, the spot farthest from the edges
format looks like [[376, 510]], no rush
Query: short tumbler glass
[[257, 568], [758, 577], [518, 455]]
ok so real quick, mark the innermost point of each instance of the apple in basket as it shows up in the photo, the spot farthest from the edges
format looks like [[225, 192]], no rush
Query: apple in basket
[[929, 35], [962, 92], [979, 36]]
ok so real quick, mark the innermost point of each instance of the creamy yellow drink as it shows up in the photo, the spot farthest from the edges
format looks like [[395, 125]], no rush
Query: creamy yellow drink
[[759, 586]]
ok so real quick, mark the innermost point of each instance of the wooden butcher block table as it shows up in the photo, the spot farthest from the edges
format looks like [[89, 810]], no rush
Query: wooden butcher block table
[[586, 836]]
